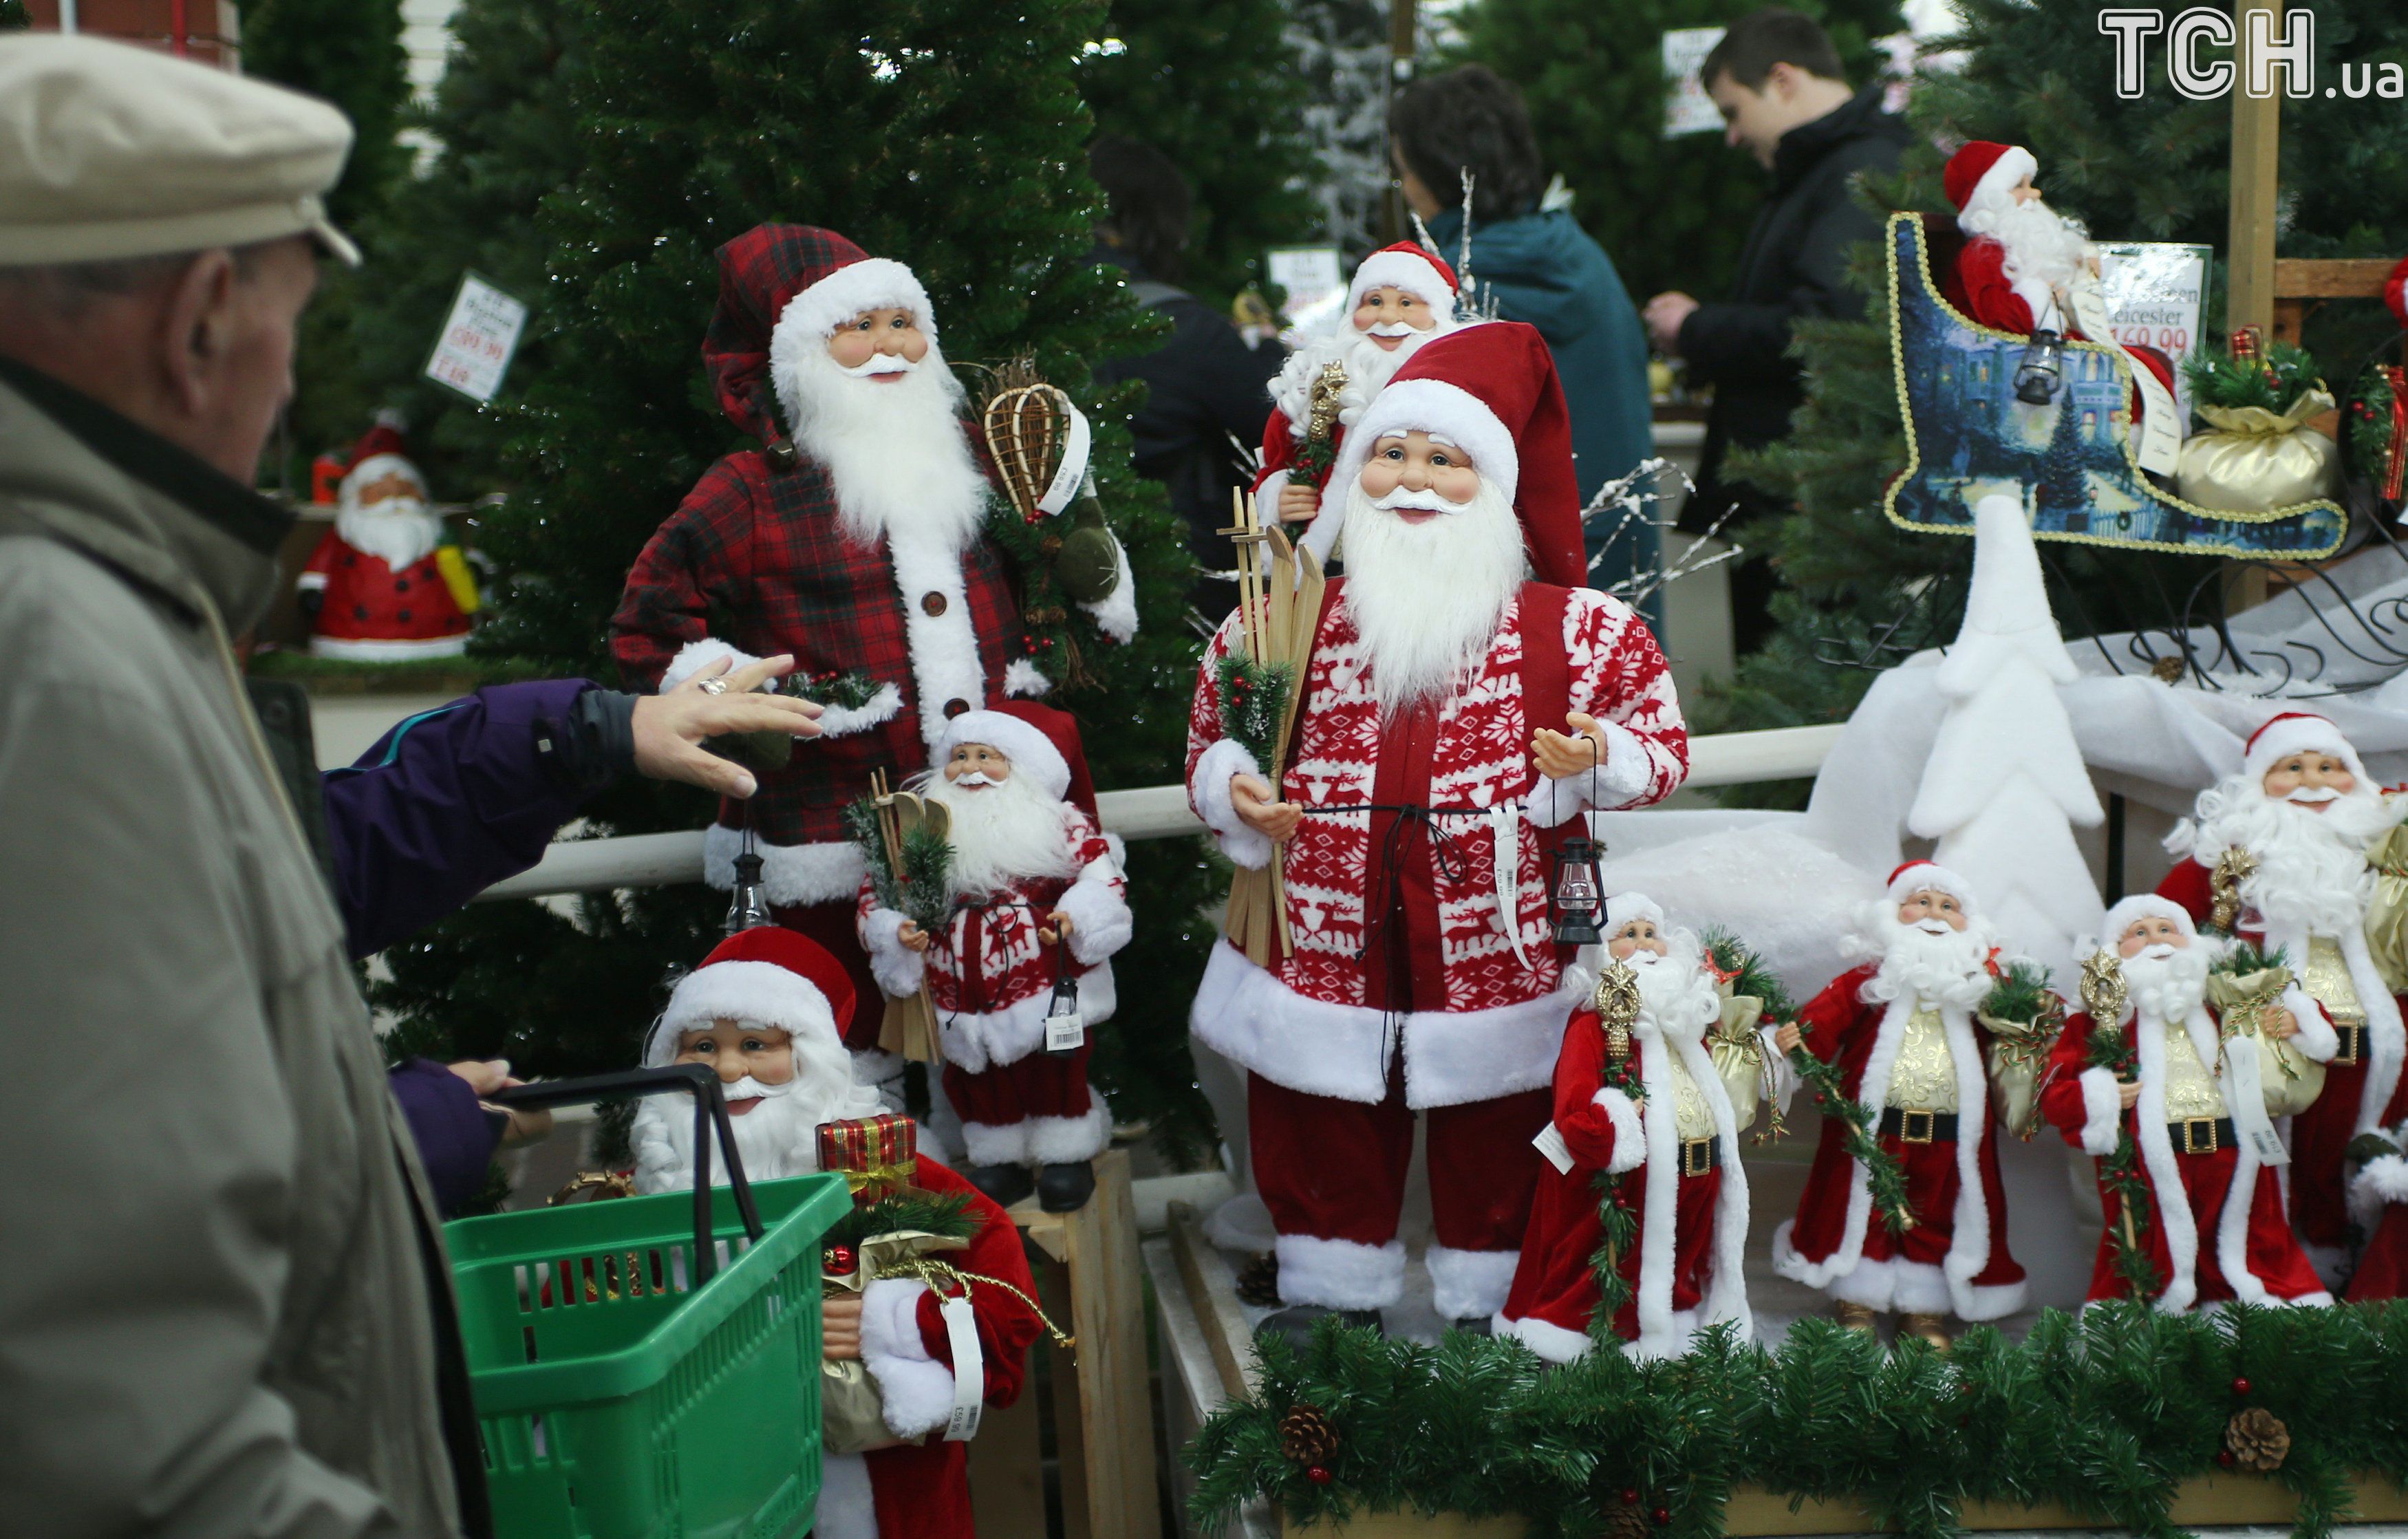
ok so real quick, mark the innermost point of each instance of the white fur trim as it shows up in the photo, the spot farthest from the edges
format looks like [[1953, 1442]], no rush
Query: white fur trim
[[1547, 1339], [2179, 1227], [1116, 612], [695, 657], [847, 1507], [1621, 779], [2386, 1038], [1070, 1140], [977, 1040], [1030, 750], [1268, 490], [2143, 905], [1323, 1048], [812, 316], [995, 1142], [1414, 273], [2317, 1039], [759, 992], [2003, 176], [1024, 680], [790, 874], [2381, 1181], [1339, 1273], [1993, 1302], [898, 969], [1629, 1137], [1970, 1245], [1663, 1332], [310, 582], [378, 466], [916, 1389], [1622, 907], [368, 651], [1469, 1284], [2305, 732], [1100, 920], [2102, 1112], [1209, 790], [1918, 875], [843, 720], [1904, 1287], [945, 646], [1433, 406]]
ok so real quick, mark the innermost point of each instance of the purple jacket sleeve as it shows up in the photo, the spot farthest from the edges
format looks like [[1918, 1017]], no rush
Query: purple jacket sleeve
[[449, 802], [455, 1136]]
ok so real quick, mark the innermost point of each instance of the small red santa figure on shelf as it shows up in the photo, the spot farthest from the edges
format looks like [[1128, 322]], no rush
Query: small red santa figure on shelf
[[1456, 717], [1674, 1148], [383, 586], [766, 1012], [2277, 857], [2196, 1113], [1402, 297], [1038, 897], [1899, 1030]]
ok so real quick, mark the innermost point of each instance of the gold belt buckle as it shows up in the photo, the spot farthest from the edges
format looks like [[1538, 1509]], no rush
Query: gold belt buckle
[[1696, 1156], [1906, 1133], [2191, 1127], [2352, 1035]]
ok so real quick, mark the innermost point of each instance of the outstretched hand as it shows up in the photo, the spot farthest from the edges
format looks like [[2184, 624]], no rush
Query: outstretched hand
[[670, 727], [1252, 799], [1560, 756]]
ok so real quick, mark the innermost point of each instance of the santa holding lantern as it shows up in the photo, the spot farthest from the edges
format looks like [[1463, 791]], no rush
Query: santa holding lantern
[[382, 585], [1457, 717]]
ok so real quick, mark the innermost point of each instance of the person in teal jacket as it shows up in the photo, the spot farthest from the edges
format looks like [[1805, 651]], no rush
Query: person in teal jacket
[[1538, 266]]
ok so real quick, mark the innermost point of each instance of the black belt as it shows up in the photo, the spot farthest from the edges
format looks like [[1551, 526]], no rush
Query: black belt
[[1699, 1154], [2200, 1135], [1919, 1126], [2352, 1035]]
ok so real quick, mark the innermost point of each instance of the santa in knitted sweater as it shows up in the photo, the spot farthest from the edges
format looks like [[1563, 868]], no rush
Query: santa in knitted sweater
[[1650, 1111], [1038, 897], [1456, 716]]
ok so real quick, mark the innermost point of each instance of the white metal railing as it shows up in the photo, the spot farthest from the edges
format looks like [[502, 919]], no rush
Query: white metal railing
[[1152, 811]]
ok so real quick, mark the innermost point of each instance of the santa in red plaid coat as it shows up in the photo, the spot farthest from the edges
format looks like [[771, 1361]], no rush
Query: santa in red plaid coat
[[853, 545], [1455, 715], [1037, 894]]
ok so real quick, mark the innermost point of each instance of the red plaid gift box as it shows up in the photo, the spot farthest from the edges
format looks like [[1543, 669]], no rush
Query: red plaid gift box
[[874, 1154]]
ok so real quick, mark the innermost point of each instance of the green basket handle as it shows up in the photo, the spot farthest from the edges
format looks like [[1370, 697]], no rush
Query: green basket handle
[[710, 1112]]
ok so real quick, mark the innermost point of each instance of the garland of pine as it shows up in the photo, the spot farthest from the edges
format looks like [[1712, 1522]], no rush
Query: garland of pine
[[2107, 1412], [1613, 1213], [944, 1214], [2272, 378], [1883, 1178], [1253, 696], [921, 894], [1315, 457], [841, 691], [1055, 634], [2112, 1048]]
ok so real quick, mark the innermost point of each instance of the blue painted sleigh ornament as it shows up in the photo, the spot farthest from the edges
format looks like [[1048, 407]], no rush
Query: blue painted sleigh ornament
[[1968, 436]]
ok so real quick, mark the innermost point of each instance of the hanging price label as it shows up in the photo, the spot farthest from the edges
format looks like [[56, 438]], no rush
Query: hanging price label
[[1551, 1143], [969, 1371], [1065, 1033], [2158, 449]]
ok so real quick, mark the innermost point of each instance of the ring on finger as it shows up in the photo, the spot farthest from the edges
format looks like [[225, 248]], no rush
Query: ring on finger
[[712, 686]]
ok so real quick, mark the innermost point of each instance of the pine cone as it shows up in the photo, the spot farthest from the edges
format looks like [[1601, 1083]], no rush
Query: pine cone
[[1259, 1283], [1306, 1436], [1629, 1522], [2259, 1439]]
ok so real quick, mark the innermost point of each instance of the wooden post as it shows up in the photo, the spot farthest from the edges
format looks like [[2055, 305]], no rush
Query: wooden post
[[2256, 141]]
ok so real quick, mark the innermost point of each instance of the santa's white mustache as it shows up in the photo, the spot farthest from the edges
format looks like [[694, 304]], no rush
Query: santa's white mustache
[[976, 778], [1932, 926], [2313, 796], [880, 362], [2159, 952], [1423, 501], [748, 1088], [1390, 328]]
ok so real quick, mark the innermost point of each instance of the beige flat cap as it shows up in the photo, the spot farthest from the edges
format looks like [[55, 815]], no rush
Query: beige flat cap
[[108, 152]]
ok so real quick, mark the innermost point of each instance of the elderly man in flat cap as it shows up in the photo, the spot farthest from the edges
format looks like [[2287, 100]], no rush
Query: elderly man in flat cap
[[225, 1308]]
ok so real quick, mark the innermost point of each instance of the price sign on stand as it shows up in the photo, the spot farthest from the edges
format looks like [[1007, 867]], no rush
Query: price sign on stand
[[1687, 108], [2155, 294], [1317, 289], [478, 338]]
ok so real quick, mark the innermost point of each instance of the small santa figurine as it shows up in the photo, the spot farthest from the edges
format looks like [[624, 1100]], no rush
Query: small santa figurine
[[1901, 1030], [766, 1012], [383, 586], [1456, 717], [2197, 1118], [1672, 1147], [2277, 857], [1402, 297], [1037, 894]]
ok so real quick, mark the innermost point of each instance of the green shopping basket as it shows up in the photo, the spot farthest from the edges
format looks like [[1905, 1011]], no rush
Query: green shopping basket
[[648, 1367]]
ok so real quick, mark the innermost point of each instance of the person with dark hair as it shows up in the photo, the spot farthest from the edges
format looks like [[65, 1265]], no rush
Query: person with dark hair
[[1779, 83], [1533, 264], [1205, 386]]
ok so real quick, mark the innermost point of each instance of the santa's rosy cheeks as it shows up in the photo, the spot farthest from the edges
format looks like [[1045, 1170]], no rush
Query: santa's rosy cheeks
[[1636, 936], [1388, 306], [2321, 775], [1930, 903], [1416, 462], [974, 759], [392, 484], [737, 1051], [2151, 930], [892, 332]]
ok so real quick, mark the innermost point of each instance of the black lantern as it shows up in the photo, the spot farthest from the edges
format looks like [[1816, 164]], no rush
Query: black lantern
[[1576, 902], [2042, 369], [747, 910]]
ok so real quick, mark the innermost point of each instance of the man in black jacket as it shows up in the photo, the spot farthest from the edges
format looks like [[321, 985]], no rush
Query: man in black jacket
[[1778, 82]]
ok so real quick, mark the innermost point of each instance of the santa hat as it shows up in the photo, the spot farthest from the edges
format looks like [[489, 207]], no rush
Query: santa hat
[[2142, 905], [1491, 391], [2297, 732], [785, 287], [767, 975], [1039, 740], [1622, 907], [1983, 171], [380, 452], [1413, 267], [1921, 875]]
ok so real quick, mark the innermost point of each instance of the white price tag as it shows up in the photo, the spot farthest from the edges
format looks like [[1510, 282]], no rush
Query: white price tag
[[2268, 1146], [969, 1371], [1551, 1143], [479, 339], [2159, 447], [1066, 1033]]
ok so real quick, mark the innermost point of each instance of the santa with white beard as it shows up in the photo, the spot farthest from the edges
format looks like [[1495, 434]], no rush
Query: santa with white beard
[[2283, 842], [855, 546], [1031, 873], [766, 1011], [383, 586], [2215, 1229], [1673, 1146], [1901, 1030], [1457, 720], [1402, 297]]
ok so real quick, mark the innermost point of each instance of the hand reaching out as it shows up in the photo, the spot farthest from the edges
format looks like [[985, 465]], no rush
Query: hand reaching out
[[1259, 810], [913, 936], [1559, 757], [670, 727]]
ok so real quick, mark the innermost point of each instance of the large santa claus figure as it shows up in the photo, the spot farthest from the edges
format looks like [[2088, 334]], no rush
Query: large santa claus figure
[[1402, 297], [766, 1011], [1673, 1148], [855, 546], [1032, 874], [1901, 1030], [381, 586], [2284, 844], [1456, 716], [2214, 1226]]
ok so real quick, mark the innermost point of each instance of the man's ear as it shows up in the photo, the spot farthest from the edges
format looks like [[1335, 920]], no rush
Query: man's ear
[[197, 329], [1781, 82]]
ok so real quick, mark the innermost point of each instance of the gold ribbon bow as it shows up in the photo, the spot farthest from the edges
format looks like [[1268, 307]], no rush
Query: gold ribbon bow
[[889, 1177], [1617, 1002]]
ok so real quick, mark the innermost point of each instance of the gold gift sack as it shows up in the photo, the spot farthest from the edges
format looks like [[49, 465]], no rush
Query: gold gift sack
[[1738, 1051], [2387, 914], [2018, 1051], [2289, 1080], [852, 1413], [2254, 461]]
